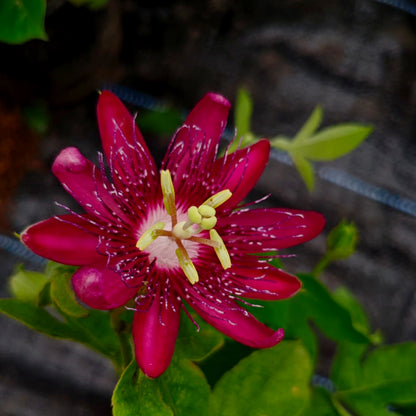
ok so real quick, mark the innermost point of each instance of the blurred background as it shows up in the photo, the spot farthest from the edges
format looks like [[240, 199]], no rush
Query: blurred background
[[357, 58]]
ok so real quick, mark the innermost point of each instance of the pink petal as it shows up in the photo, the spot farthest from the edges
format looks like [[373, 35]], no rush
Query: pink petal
[[83, 180], [266, 284], [194, 147], [242, 169], [66, 239], [101, 288], [231, 319], [117, 127], [154, 334], [269, 228]]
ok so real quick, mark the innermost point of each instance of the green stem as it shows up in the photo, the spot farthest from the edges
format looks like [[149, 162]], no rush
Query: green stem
[[321, 266]]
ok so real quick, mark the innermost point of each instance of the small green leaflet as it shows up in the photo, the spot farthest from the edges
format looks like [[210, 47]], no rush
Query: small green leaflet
[[327, 144]]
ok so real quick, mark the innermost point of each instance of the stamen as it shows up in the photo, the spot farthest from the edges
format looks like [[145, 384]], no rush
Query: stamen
[[150, 235], [208, 223], [219, 198], [206, 211], [221, 251], [168, 192], [186, 264], [194, 215]]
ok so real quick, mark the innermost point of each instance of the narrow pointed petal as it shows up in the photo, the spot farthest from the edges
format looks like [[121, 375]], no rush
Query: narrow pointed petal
[[195, 145], [269, 228], [117, 127], [267, 284], [154, 334], [83, 180], [101, 288], [66, 239], [237, 323], [243, 169]]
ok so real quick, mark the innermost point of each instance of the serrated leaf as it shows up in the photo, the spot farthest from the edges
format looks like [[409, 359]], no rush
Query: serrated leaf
[[27, 285], [331, 142], [197, 345], [305, 170], [181, 391], [269, 382], [243, 111], [22, 20], [310, 126], [64, 297]]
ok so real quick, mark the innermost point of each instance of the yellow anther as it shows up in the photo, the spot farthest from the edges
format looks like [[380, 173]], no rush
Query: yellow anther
[[149, 235], [221, 251], [187, 266], [206, 211], [168, 192], [208, 223], [216, 200], [194, 215]]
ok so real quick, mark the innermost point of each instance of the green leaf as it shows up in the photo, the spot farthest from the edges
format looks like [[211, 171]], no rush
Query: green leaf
[[305, 170], [22, 20], [243, 111], [64, 297], [313, 303], [386, 377], [320, 404], [390, 363], [197, 345], [380, 399], [272, 381], [96, 332], [181, 391], [27, 285], [359, 318], [310, 126], [332, 142], [36, 318], [137, 395]]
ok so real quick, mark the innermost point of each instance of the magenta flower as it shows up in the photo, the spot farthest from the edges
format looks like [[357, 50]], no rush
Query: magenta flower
[[160, 237]]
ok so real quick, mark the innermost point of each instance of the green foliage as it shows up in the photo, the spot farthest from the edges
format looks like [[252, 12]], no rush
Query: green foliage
[[27, 285], [181, 391], [326, 145], [272, 381], [314, 303], [37, 117], [308, 145], [92, 4], [22, 20]]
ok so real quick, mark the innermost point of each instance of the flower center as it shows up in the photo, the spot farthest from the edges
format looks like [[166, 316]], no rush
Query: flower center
[[199, 219]]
